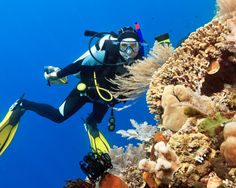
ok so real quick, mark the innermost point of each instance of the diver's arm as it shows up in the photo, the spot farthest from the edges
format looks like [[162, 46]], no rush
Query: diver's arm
[[75, 68], [68, 70]]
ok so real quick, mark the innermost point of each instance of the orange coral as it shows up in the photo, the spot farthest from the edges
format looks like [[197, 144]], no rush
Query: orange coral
[[148, 178], [112, 181], [159, 137]]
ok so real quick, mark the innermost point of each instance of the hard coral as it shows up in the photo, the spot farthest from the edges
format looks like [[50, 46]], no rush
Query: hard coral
[[191, 64], [125, 162], [164, 166], [193, 151]]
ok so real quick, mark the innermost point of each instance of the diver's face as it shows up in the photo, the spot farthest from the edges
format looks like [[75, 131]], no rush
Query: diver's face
[[129, 48]]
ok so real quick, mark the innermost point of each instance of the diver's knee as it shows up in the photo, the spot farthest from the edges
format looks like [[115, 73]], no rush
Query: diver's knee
[[59, 120]]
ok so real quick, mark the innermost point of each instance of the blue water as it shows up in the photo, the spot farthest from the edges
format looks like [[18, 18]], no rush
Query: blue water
[[49, 32]]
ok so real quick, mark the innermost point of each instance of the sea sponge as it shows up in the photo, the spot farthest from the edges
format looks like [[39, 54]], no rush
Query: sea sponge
[[173, 116], [234, 118], [133, 177], [212, 124], [228, 150], [179, 102], [214, 182], [112, 181], [230, 130], [228, 147]]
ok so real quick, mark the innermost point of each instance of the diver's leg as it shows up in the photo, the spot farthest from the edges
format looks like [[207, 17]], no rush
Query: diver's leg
[[70, 105], [97, 141], [99, 111]]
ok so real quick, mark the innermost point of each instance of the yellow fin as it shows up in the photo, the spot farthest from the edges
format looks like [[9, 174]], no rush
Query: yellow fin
[[6, 136], [7, 132], [99, 144]]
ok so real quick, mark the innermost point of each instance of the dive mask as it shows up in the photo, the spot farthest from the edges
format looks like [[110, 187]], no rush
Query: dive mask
[[129, 48]]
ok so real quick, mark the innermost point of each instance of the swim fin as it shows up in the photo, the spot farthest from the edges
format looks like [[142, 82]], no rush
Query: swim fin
[[164, 38], [98, 142], [9, 125]]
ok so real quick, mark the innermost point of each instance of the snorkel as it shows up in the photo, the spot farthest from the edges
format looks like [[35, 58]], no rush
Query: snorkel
[[139, 32]]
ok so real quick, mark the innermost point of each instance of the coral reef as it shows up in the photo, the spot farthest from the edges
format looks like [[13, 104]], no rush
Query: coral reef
[[205, 62], [198, 153], [193, 95]]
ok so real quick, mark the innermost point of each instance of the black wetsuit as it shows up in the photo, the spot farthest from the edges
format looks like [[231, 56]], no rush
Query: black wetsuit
[[75, 100]]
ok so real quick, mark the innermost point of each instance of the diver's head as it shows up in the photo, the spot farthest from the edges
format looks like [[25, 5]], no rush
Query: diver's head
[[128, 43], [129, 48]]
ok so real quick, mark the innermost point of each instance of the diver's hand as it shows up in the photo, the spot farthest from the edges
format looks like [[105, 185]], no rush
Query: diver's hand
[[50, 73], [50, 76]]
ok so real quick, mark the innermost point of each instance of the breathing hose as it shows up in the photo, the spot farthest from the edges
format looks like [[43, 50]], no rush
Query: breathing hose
[[99, 89]]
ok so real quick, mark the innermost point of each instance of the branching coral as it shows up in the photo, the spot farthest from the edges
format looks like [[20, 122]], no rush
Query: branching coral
[[125, 162], [163, 166], [142, 132], [137, 80]]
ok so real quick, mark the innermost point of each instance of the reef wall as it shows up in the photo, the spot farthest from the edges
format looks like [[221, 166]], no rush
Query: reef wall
[[193, 95]]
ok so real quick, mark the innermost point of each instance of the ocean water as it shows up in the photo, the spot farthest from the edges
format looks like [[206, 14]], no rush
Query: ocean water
[[36, 33]]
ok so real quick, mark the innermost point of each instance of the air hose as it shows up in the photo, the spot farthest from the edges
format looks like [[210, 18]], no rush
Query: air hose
[[99, 89]]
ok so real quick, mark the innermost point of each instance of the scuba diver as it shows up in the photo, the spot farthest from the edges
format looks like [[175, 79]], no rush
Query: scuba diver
[[103, 61]]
